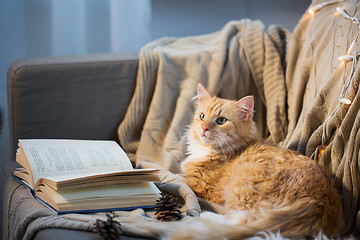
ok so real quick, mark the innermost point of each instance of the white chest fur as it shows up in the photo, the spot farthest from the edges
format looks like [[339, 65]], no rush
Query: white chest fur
[[196, 152]]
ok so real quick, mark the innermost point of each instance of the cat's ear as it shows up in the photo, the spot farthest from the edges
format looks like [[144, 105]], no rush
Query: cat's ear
[[203, 94], [246, 107]]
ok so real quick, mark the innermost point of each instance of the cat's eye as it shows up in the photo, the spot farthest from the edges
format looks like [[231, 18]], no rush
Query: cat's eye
[[220, 120], [202, 116]]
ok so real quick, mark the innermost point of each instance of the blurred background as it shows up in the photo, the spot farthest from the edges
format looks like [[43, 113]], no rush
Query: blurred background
[[30, 28]]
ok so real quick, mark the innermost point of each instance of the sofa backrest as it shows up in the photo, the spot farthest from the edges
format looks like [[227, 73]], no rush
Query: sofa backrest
[[70, 97]]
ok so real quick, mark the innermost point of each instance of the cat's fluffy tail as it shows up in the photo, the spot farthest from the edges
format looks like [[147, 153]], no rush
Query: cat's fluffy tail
[[296, 220]]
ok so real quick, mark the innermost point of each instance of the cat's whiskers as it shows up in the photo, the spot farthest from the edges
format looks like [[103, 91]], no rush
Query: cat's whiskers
[[219, 144], [226, 145]]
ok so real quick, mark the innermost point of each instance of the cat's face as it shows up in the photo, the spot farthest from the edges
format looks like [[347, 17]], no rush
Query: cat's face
[[221, 123]]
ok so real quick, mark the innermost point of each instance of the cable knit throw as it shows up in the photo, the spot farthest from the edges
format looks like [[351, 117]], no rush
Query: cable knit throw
[[296, 81]]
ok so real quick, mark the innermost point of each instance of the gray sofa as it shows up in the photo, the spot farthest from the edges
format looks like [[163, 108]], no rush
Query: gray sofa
[[71, 97], [86, 97]]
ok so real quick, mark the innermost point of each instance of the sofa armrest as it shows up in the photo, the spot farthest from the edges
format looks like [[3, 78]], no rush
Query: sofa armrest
[[74, 97], [64, 234]]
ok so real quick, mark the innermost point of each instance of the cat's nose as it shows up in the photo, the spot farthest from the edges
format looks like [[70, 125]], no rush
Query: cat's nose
[[204, 128]]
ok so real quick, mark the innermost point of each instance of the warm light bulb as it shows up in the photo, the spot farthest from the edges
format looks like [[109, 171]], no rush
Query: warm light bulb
[[311, 11], [345, 101], [346, 58], [314, 9], [341, 11]]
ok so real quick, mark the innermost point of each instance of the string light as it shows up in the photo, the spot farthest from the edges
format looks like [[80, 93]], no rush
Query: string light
[[315, 8], [342, 99], [351, 55], [312, 10], [345, 101], [342, 12], [347, 16], [346, 58]]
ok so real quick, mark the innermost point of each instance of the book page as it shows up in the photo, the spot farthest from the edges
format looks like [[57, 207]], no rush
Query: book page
[[108, 191], [101, 197], [49, 158], [24, 176], [136, 173]]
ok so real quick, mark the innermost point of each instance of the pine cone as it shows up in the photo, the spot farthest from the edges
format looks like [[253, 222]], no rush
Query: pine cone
[[109, 229], [167, 209]]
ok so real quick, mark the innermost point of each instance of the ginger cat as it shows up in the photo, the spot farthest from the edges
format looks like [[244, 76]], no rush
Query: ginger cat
[[262, 187]]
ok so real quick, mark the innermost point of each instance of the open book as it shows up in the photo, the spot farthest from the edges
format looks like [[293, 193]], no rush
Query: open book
[[84, 175]]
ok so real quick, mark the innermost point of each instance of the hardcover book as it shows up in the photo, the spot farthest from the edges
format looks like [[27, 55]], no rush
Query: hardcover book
[[84, 176]]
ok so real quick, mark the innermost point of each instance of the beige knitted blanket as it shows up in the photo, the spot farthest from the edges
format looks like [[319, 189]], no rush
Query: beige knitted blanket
[[296, 80]]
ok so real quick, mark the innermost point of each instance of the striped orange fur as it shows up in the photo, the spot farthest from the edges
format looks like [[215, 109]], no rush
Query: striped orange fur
[[270, 188]]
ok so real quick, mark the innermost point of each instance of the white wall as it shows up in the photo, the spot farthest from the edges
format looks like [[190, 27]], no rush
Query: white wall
[[65, 27]]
